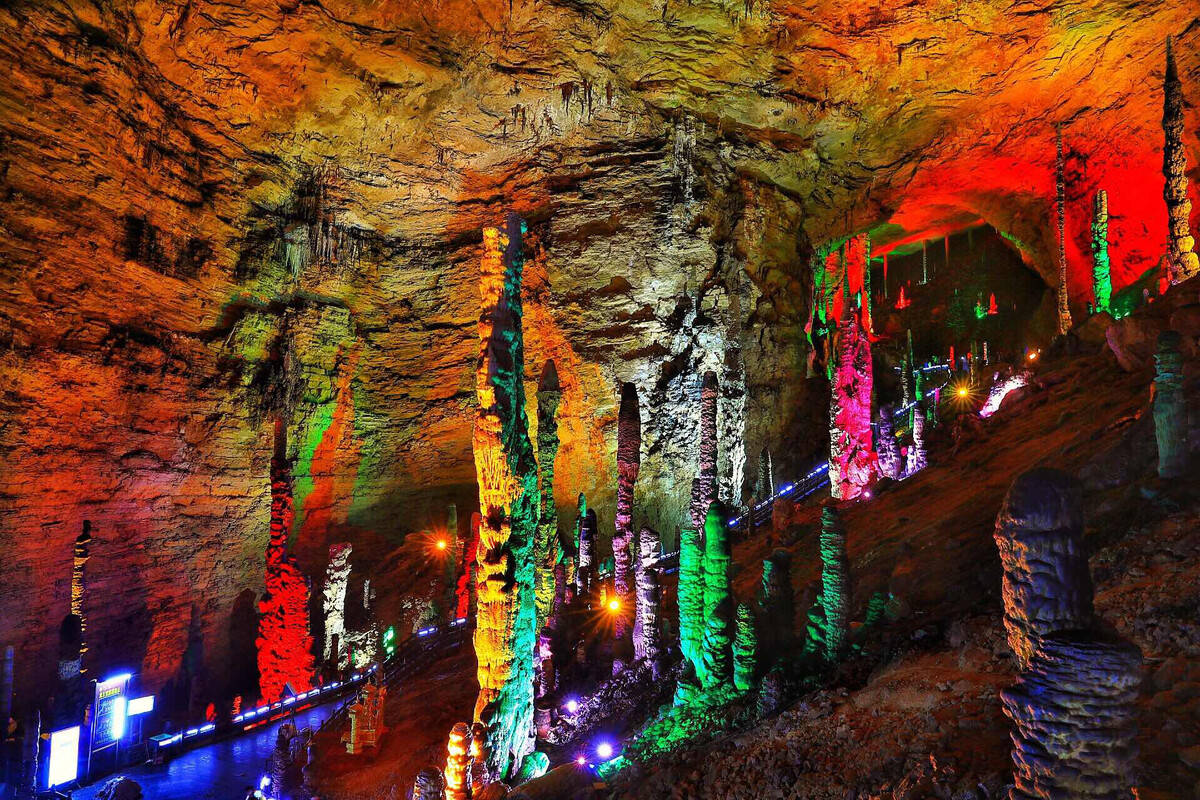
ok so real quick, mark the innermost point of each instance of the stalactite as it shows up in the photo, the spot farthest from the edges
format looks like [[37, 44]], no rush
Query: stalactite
[[851, 459], [587, 550], [646, 625], [465, 590], [827, 622], [1101, 271], [79, 559], [457, 762], [718, 601], [284, 642], [887, 447], [777, 606], [704, 487], [1060, 188], [506, 616], [1039, 532], [1170, 407], [333, 603], [691, 597], [1182, 261], [545, 549], [629, 447], [917, 459], [745, 650]]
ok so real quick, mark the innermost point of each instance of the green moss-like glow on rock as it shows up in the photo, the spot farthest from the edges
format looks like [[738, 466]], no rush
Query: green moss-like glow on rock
[[545, 549], [1101, 271], [691, 597], [718, 602], [745, 650], [827, 620]]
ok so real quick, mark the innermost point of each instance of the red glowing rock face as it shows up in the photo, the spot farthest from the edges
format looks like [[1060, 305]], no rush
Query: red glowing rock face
[[284, 643]]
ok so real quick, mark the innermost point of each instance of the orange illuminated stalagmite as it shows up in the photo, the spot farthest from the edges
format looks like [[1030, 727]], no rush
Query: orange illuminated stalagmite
[[505, 631]]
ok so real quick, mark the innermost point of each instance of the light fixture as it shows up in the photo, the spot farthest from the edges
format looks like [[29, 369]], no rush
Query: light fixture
[[572, 706], [614, 605], [441, 544], [604, 750]]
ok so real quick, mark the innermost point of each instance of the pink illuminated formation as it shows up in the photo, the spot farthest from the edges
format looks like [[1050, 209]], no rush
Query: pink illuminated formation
[[1000, 390], [851, 460]]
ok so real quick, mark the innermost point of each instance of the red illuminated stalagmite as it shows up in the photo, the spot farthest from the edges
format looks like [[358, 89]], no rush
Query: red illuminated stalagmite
[[1182, 261], [629, 446], [284, 643], [464, 591], [851, 462]]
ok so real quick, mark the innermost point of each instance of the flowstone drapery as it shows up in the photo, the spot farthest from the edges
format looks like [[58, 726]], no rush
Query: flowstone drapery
[[646, 623], [506, 616], [1039, 532], [1182, 261], [717, 669], [851, 459], [827, 622], [629, 447], [333, 603], [890, 463], [1101, 268], [545, 548], [1170, 407]]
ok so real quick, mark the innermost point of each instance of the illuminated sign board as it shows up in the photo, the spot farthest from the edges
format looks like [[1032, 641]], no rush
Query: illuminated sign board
[[140, 705], [108, 726], [64, 757]]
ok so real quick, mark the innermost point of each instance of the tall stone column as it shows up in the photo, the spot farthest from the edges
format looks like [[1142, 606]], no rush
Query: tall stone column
[[1101, 268], [691, 597], [587, 550], [333, 603], [890, 463], [629, 447], [458, 760], [777, 604], [646, 624], [850, 453], [284, 641], [828, 620], [1182, 262], [718, 601], [1060, 188], [704, 487], [1039, 532], [745, 650], [1170, 407], [764, 487], [464, 591], [506, 617], [917, 458], [545, 549]]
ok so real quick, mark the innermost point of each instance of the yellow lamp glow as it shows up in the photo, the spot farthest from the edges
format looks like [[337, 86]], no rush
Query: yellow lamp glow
[[614, 605], [441, 544]]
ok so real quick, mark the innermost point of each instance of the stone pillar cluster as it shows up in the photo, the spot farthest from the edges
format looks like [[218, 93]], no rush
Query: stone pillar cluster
[[828, 620], [646, 630], [851, 458], [545, 549], [1170, 407], [284, 641], [1101, 268], [887, 448], [1073, 707], [1182, 261], [629, 446], [506, 618]]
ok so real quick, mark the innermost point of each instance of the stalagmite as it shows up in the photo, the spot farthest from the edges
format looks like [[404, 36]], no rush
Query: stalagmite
[[79, 559], [587, 547], [506, 617], [545, 549], [546, 679], [829, 616], [629, 447], [745, 650], [333, 599], [1101, 269], [851, 460], [890, 464], [704, 487], [1170, 407], [1060, 188], [284, 642], [691, 597], [464, 592], [777, 605], [646, 626], [764, 487], [457, 761], [1074, 718], [917, 459], [1039, 533], [718, 601], [1182, 261], [429, 785], [906, 367]]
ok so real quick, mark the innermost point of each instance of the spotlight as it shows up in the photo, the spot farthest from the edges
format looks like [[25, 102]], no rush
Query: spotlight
[[441, 544], [614, 605], [604, 750], [580, 760], [572, 706], [963, 391], [867, 494], [1032, 355]]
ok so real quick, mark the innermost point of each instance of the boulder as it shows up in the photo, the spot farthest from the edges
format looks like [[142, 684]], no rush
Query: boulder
[[1132, 340]]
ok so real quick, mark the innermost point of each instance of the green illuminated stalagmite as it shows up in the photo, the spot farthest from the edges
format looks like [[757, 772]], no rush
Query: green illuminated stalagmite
[[718, 601], [506, 616], [545, 547], [1101, 273], [828, 618], [745, 650], [691, 597]]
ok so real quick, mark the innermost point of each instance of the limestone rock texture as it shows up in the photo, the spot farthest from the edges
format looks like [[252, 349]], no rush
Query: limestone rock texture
[[625, 554], [209, 208]]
